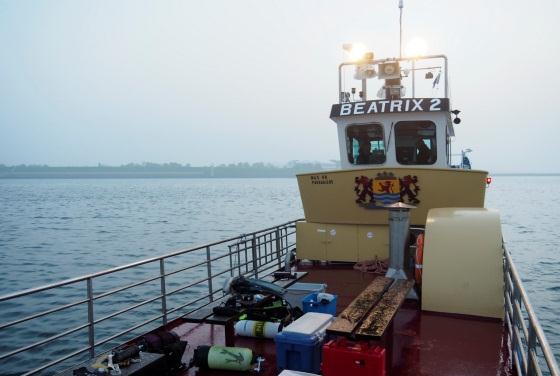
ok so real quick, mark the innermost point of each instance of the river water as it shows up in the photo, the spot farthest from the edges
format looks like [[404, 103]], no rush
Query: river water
[[52, 229]]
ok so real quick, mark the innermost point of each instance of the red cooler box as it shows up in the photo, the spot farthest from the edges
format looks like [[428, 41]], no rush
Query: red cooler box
[[343, 357]]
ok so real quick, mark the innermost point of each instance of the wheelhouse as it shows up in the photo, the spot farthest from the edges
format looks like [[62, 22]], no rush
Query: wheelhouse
[[393, 131]]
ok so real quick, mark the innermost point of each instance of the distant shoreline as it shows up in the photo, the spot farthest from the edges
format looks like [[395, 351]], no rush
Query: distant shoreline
[[205, 174], [137, 176], [168, 170]]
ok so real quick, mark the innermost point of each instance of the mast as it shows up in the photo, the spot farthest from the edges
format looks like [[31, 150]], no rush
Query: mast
[[400, 27]]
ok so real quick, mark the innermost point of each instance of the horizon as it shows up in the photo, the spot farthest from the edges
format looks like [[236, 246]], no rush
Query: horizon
[[216, 83], [287, 165]]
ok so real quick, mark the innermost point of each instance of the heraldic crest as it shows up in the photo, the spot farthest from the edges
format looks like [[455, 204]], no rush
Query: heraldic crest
[[386, 189]]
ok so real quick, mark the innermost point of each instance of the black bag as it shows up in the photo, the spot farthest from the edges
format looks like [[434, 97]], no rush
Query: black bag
[[168, 344]]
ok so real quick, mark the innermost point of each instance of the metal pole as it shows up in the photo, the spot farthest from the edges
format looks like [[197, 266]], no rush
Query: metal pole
[[399, 221], [254, 254], [278, 250], [446, 79], [209, 270], [515, 326], [398, 234], [163, 294], [91, 332], [340, 83], [364, 90], [400, 27], [531, 345], [230, 260], [413, 79]]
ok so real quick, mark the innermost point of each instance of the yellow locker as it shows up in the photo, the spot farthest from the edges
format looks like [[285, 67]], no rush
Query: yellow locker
[[342, 242], [311, 241], [373, 240]]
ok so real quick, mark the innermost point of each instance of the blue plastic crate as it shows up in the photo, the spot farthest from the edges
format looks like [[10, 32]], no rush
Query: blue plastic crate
[[310, 304], [299, 345]]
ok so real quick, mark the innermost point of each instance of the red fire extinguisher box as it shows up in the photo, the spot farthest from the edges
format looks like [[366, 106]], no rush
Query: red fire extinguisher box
[[343, 357]]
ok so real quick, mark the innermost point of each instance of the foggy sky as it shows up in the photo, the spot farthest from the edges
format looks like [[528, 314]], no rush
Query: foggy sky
[[204, 82]]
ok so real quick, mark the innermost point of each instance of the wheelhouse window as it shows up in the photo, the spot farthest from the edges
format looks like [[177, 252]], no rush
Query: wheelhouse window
[[415, 142], [365, 144]]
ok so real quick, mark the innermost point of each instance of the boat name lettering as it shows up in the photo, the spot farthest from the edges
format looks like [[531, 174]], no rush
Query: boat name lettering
[[321, 179], [390, 106]]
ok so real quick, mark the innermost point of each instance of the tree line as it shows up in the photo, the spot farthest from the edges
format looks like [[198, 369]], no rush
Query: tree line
[[171, 170]]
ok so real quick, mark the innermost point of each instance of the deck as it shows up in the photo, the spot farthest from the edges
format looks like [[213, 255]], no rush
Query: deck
[[423, 343]]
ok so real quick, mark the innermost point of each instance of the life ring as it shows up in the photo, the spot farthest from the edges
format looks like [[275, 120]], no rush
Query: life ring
[[419, 258]]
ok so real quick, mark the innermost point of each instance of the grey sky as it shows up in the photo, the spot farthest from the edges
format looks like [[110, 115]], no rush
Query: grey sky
[[205, 82]]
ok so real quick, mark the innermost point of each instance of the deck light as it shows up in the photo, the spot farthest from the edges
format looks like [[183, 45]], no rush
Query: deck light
[[356, 51], [416, 47]]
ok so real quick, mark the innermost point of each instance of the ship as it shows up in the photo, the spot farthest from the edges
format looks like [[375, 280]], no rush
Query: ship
[[397, 268]]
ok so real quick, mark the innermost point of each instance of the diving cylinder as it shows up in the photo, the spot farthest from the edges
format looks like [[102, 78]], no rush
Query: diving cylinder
[[259, 329], [224, 358]]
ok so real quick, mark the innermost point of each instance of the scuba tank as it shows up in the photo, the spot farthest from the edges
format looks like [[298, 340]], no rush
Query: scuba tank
[[222, 357], [259, 329]]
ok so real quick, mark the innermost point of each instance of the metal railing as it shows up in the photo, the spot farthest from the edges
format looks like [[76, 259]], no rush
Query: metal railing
[[529, 347], [258, 254]]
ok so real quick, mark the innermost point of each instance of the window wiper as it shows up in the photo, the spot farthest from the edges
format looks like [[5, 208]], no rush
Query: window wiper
[[389, 139]]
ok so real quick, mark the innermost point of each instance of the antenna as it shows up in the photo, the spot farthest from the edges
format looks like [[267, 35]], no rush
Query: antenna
[[400, 26]]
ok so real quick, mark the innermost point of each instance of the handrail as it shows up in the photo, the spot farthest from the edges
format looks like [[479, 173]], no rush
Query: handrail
[[261, 252], [412, 58], [132, 265], [525, 339]]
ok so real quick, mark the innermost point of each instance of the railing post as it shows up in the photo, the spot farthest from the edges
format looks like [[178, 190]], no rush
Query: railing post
[[163, 294], [254, 253], [516, 300], [91, 331], [278, 250], [531, 345], [209, 270], [230, 260]]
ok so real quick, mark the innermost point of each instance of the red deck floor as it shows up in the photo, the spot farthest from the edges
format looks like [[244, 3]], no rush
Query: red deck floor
[[423, 343]]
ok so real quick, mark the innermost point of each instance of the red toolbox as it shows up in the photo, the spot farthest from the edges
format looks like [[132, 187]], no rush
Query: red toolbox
[[343, 357]]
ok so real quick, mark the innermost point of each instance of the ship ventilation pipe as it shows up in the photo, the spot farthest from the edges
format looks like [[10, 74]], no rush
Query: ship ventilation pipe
[[399, 220]]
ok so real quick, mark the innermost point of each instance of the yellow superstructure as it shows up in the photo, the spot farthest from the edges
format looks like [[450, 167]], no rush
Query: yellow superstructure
[[344, 223]]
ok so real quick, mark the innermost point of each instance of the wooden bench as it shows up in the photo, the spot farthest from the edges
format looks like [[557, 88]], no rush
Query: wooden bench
[[206, 315], [370, 314]]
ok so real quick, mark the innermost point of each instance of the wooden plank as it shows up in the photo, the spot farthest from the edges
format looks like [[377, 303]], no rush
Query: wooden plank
[[377, 321], [351, 317]]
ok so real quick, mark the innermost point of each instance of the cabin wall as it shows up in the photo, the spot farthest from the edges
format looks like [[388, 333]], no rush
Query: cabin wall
[[336, 242], [441, 120], [344, 197]]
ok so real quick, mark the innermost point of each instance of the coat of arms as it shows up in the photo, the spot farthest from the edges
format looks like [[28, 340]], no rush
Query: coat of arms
[[386, 189]]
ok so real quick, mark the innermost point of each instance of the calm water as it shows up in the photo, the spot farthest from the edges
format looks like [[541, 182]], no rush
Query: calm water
[[56, 229]]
